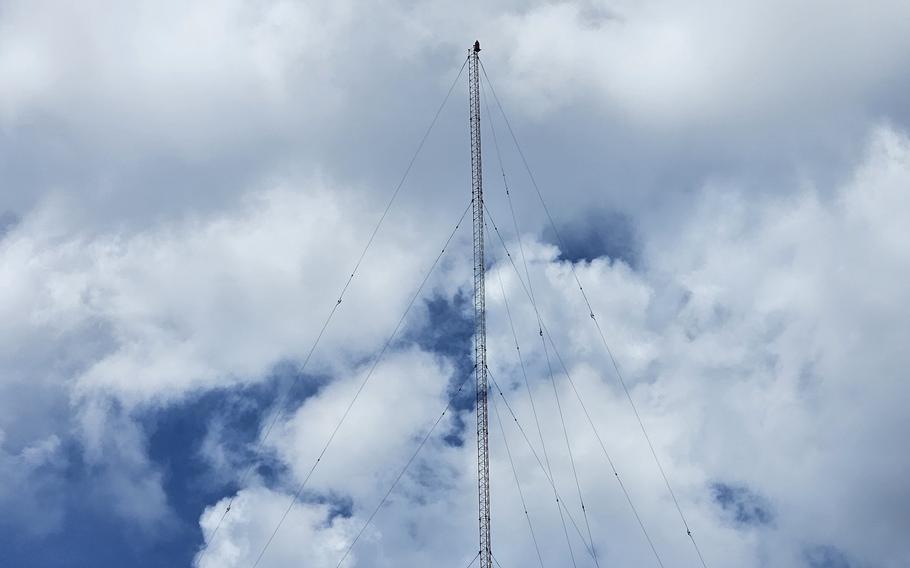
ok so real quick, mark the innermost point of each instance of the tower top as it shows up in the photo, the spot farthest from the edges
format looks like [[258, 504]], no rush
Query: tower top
[[476, 46]]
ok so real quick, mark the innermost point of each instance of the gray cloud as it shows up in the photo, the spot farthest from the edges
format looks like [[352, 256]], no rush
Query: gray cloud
[[629, 106]]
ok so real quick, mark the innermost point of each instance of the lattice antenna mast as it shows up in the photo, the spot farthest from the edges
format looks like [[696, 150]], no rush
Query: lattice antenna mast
[[480, 322]]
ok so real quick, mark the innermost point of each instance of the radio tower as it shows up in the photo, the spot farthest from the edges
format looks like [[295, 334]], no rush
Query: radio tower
[[480, 322]]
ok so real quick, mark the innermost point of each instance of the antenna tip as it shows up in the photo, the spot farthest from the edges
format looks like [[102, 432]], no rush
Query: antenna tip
[[476, 46]]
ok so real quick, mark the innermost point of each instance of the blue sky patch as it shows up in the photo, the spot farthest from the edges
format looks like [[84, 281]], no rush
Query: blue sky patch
[[449, 331], [826, 557], [174, 438], [744, 506], [597, 235]]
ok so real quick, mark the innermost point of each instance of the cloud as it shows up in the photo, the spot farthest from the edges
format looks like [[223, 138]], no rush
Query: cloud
[[143, 119], [107, 72], [399, 406], [189, 186], [141, 320], [184, 306], [29, 488], [779, 370], [250, 524], [114, 449], [699, 64], [405, 394]]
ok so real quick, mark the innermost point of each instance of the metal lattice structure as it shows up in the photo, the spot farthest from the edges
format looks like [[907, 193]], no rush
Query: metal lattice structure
[[480, 323]]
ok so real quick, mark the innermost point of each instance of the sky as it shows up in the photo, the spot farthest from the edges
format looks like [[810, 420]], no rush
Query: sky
[[186, 188]]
